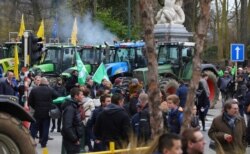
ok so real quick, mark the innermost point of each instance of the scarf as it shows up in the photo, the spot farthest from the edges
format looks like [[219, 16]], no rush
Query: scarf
[[230, 120]]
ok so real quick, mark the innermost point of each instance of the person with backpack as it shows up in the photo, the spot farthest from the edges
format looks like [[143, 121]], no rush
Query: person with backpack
[[105, 100], [141, 120], [202, 104], [72, 126], [113, 123], [175, 115]]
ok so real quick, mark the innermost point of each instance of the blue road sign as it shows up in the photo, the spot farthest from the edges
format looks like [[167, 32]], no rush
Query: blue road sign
[[237, 52]]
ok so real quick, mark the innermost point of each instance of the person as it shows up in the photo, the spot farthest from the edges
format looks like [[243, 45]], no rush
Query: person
[[193, 141], [182, 92], [40, 99], [171, 13], [7, 86], [61, 90], [164, 108], [228, 130], [88, 106], [113, 123], [240, 93], [223, 83], [105, 100], [203, 80], [175, 115], [194, 118], [72, 126], [247, 103], [90, 85], [169, 143], [117, 88], [141, 120], [72, 81], [202, 104], [135, 88]]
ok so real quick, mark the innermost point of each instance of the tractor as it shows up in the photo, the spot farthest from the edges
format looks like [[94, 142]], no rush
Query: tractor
[[123, 57], [174, 64], [14, 137]]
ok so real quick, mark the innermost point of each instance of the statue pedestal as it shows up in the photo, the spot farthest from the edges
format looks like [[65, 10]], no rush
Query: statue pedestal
[[171, 33]]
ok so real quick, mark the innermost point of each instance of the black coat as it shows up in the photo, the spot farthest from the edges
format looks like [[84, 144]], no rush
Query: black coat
[[72, 126], [113, 124], [40, 99], [6, 88]]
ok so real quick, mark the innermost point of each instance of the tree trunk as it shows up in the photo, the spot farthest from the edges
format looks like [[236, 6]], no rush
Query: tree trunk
[[220, 47], [237, 20], [147, 16], [201, 33], [243, 21]]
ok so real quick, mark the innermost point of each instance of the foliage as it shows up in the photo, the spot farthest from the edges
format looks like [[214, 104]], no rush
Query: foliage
[[210, 52], [115, 25]]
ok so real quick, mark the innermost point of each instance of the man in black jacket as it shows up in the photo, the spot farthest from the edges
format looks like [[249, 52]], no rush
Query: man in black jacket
[[113, 123], [7, 86], [40, 99], [72, 126]]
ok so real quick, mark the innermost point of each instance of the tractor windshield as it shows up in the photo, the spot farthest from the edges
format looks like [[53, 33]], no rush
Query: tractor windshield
[[125, 54], [62, 58], [90, 55], [167, 54]]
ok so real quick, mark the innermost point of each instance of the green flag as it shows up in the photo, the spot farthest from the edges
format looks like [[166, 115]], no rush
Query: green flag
[[82, 72], [100, 74]]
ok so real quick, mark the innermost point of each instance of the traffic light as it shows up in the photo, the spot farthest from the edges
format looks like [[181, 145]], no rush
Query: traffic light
[[34, 48]]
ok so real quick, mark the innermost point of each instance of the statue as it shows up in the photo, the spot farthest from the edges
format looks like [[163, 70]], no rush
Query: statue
[[171, 13]]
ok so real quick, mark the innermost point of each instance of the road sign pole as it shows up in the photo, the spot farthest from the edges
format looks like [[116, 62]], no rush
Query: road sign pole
[[236, 83]]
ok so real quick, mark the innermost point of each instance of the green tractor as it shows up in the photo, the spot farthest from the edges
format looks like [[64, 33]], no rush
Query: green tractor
[[174, 64], [91, 56], [7, 55], [57, 60]]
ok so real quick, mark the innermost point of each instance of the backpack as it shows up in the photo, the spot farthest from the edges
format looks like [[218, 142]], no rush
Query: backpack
[[144, 125]]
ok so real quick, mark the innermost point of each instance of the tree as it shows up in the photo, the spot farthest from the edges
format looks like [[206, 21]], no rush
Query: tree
[[147, 16], [200, 34]]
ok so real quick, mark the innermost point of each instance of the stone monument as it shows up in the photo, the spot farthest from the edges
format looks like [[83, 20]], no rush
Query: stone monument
[[170, 19]]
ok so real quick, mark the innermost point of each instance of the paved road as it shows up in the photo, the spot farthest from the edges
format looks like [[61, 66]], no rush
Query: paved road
[[54, 146]]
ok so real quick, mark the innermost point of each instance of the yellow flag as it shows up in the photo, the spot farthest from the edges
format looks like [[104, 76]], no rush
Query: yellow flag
[[22, 28], [16, 63], [40, 32], [74, 34]]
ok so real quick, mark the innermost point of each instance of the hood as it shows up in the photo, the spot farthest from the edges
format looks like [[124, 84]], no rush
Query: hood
[[112, 109]]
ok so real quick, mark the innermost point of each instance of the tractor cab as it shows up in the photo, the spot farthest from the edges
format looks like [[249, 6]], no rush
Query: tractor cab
[[124, 57], [178, 56], [7, 55], [92, 56], [55, 59]]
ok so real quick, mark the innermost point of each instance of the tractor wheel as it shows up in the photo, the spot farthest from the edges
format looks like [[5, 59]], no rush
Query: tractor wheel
[[14, 138], [214, 91], [169, 85]]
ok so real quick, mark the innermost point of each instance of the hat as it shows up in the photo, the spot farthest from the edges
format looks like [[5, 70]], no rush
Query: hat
[[118, 81], [240, 68], [226, 72], [135, 81]]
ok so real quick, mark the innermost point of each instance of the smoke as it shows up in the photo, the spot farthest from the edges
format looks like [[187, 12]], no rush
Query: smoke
[[89, 31]]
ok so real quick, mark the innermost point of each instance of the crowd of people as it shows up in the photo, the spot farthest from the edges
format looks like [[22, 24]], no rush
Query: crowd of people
[[92, 115]]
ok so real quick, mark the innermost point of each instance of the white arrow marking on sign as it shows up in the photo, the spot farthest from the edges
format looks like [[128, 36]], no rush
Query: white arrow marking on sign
[[237, 49]]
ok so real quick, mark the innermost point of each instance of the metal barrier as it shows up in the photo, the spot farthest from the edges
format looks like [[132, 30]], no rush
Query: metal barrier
[[113, 151]]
